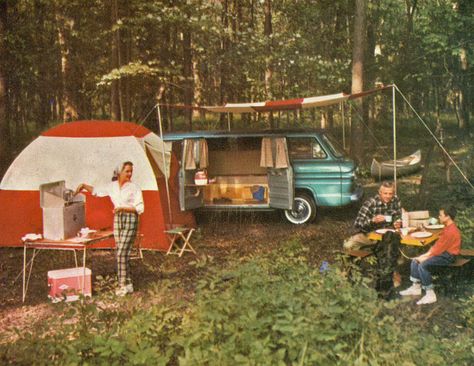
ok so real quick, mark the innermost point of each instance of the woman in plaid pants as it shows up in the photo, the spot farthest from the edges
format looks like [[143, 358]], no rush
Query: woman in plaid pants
[[128, 205]]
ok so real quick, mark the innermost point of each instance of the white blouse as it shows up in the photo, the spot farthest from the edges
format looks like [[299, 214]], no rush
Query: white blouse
[[129, 195]]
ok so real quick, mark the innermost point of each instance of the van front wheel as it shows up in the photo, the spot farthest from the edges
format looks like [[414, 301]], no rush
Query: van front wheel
[[304, 210]]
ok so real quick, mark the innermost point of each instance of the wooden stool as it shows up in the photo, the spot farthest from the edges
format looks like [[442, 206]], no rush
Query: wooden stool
[[180, 237]]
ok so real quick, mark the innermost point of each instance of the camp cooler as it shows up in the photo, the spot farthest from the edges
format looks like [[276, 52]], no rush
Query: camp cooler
[[66, 284]]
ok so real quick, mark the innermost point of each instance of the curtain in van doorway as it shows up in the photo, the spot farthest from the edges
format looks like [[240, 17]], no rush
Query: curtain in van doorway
[[204, 155], [266, 155], [196, 153], [281, 156], [273, 153], [189, 158]]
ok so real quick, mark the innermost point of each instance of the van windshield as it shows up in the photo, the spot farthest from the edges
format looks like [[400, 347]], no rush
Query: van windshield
[[334, 146]]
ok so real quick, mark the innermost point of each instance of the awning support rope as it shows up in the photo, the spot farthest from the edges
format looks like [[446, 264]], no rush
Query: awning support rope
[[434, 136], [358, 115]]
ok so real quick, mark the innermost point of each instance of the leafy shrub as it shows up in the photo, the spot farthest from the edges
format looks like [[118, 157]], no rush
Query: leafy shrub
[[269, 310], [465, 222], [280, 311]]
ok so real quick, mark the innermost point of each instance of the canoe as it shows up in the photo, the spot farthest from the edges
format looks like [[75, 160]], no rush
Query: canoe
[[405, 166]]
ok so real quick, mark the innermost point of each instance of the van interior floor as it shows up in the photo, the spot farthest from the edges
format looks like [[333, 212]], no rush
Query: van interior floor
[[237, 190]]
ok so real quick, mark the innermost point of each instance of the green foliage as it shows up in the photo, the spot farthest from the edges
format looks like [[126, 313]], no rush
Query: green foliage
[[465, 222], [274, 309]]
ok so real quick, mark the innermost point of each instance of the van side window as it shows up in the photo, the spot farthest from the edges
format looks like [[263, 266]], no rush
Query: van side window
[[305, 148]]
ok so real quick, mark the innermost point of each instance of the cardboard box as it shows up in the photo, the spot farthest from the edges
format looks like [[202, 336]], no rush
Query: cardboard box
[[66, 284]]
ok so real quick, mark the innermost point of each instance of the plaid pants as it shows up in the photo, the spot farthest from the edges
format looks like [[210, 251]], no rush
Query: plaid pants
[[125, 232]]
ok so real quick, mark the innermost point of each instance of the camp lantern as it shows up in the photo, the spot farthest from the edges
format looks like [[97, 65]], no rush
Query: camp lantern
[[63, 213]]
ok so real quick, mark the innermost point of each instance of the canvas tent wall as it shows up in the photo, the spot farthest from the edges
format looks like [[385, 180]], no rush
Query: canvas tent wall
[[88, 151]]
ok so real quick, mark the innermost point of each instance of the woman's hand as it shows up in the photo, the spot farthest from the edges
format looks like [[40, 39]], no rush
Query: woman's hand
[[78, 189], [83, 186]]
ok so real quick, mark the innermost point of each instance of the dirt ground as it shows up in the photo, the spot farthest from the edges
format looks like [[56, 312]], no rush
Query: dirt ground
[[220, 237]]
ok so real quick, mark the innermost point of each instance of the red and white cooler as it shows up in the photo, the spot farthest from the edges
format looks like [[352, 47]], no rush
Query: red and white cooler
[[67, 284]]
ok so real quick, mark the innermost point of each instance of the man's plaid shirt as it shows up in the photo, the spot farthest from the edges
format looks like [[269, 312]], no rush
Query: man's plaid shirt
[[373, 207]]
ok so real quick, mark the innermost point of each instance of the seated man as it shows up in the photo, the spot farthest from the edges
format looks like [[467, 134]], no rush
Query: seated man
[[441, 254], [377, 212]]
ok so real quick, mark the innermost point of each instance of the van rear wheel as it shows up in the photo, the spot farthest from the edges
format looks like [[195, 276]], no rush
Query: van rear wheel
[[304, 210]]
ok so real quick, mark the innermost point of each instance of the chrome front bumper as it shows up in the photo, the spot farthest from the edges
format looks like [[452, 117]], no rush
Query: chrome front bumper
[[358, 194]]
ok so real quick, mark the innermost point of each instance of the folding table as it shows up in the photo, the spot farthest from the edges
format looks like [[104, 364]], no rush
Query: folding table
[[72, 244]]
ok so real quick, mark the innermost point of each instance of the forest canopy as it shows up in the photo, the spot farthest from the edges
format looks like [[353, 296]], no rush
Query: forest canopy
[[67, 60]]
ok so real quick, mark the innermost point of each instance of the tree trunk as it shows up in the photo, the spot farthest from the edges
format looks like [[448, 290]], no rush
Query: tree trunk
[[65, 26], [41, 86], [4, 123], [324, 120], [198, 89], [223, 64], [464, 91], [357, 134], [126, 47], [268, 58], [115, 99], [188, 77]]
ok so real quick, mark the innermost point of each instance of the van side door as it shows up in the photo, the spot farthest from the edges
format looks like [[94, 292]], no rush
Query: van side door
[[280, 176], [190, 195]]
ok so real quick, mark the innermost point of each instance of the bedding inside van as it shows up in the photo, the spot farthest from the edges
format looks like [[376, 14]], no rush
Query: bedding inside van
[[234, 168]]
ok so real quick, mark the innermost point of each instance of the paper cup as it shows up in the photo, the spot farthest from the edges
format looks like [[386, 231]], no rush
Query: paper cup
[[388, 218]]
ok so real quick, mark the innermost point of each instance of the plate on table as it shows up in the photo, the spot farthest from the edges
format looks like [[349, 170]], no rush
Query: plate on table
[[435, 227], [383, 231], [421, 234]]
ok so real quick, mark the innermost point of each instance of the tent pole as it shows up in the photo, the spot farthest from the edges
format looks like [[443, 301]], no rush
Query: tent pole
[[164, 164], [343, 126], [394, 116]]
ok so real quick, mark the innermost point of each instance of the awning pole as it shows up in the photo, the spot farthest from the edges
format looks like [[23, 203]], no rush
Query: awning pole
[[228, 121], [343, 126], [164, 164], [394, 114]]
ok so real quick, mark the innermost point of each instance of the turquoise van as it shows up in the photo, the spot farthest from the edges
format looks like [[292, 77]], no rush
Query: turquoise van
[[295, 171]]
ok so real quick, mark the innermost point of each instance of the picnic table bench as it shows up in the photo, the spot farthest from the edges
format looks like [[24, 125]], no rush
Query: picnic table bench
[[459, 262]]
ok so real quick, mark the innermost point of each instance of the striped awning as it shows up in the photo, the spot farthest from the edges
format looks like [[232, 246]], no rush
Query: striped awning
[[281, 105]]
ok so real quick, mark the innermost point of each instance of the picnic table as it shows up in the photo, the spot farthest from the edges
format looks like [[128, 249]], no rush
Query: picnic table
[[412, 240], [71, 244]]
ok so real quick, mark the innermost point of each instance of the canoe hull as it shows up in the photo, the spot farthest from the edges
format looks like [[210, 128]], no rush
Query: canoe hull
[[405, 166]]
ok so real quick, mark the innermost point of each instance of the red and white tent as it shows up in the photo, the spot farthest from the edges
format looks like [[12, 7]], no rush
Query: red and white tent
[[88, 151]]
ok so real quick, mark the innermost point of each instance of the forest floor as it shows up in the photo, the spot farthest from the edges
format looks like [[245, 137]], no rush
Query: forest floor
[[221, 237]]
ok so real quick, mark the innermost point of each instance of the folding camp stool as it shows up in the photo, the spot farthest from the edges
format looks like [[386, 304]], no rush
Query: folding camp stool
[[180, 237]]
